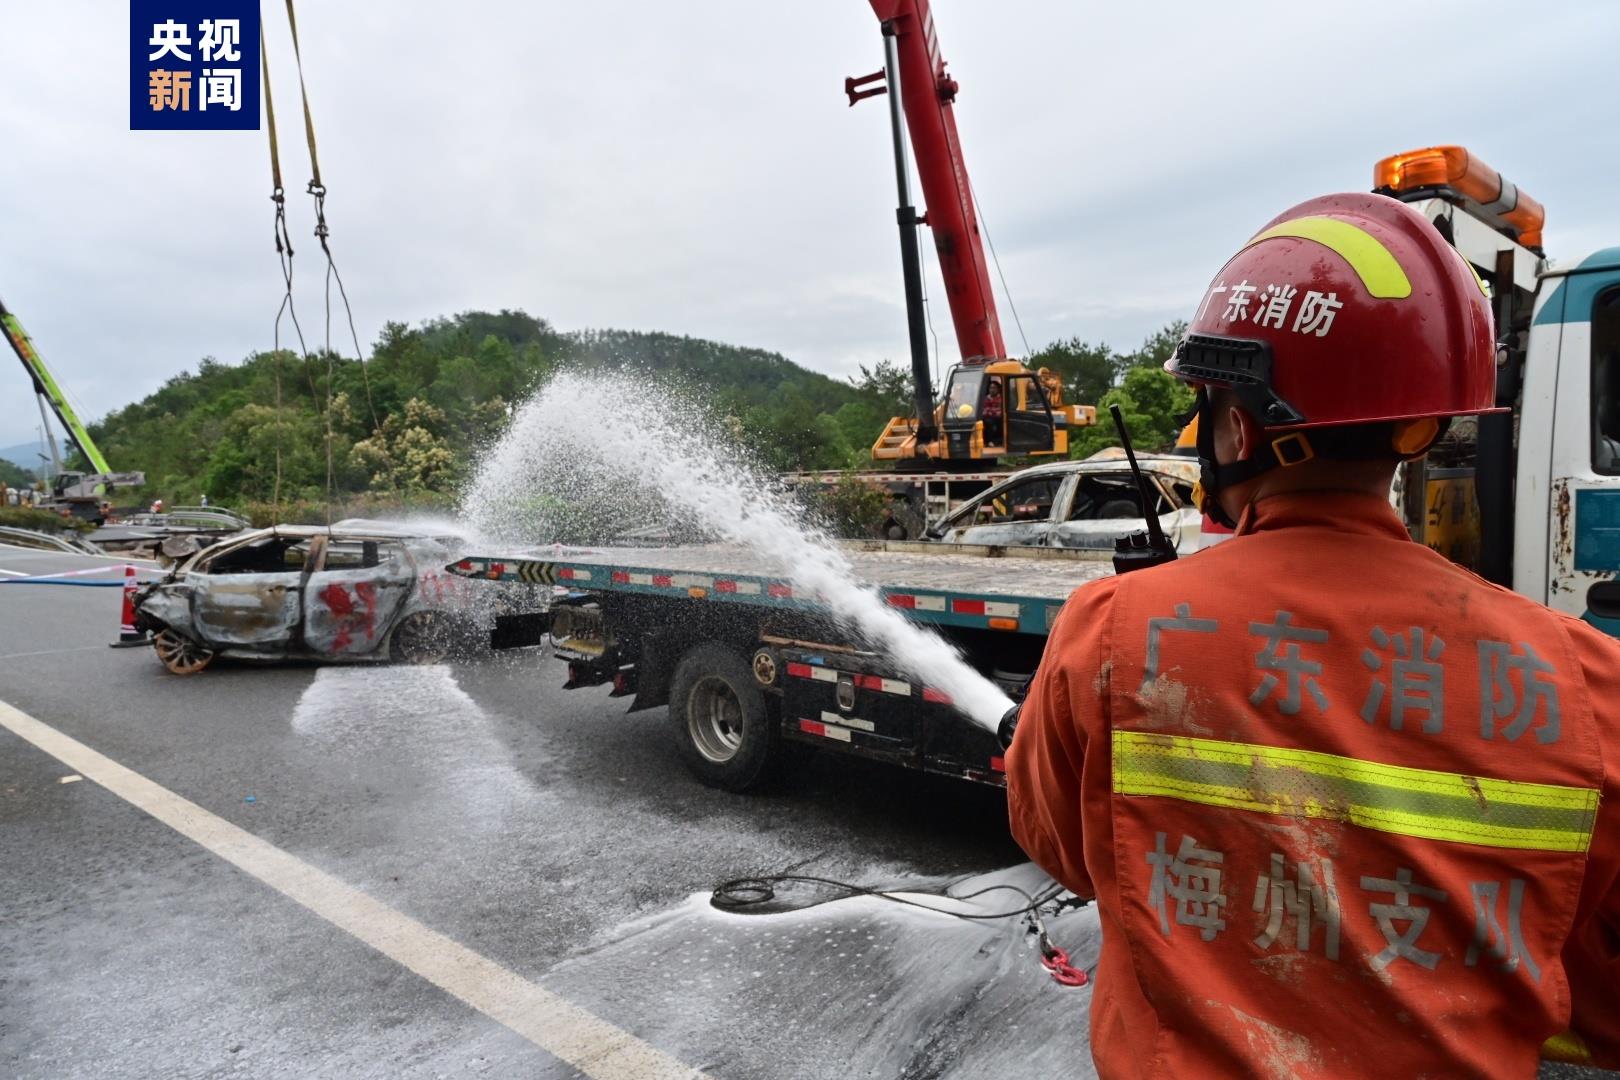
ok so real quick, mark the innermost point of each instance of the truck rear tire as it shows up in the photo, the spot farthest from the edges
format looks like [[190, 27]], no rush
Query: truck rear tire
[[721, 719]]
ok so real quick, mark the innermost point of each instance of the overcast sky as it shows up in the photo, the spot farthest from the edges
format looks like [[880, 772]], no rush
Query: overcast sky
[[692, 167]]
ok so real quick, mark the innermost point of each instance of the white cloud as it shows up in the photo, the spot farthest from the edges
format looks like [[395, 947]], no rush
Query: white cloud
[[694, 168]]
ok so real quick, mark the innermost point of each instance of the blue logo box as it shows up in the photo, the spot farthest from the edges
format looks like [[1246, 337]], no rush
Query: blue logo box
[[194, 65]]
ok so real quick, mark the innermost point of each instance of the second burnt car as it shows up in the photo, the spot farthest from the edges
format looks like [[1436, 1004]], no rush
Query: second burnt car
[[355, 591], [1079, 504]]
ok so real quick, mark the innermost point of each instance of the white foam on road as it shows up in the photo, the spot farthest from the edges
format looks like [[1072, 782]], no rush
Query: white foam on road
[[401, 699], [420, 715], [552, 1023]]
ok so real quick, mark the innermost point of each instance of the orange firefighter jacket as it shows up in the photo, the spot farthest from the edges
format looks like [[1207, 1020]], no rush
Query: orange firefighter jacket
[[1342, 804]]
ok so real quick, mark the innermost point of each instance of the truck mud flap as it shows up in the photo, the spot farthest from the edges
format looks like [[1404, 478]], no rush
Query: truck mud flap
[[519, 631]]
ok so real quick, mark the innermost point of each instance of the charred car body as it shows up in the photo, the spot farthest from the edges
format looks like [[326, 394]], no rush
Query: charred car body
[[1079, 504], [352, 592]]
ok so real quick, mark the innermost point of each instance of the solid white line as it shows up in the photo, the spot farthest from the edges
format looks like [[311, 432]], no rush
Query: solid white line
[[116, 559], [590, 1044], [14, 573], [51, 652]]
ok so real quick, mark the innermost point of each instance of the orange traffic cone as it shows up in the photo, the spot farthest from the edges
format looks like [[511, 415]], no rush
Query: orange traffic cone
[[128, 636]]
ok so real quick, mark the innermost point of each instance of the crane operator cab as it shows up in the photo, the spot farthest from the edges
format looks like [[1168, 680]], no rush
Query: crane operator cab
[[999, 408]]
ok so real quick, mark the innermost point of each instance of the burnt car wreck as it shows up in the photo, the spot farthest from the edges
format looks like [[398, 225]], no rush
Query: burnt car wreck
[[347, 593]]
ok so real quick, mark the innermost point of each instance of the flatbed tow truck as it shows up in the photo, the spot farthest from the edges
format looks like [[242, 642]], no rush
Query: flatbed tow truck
[[747, 662]]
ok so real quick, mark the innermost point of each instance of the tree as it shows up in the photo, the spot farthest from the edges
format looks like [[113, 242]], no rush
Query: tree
[[15, 476], [887, 385], [850, 507], [409, 452], [859, 423], [1152, 402], [1158, 346], [1087, 370]]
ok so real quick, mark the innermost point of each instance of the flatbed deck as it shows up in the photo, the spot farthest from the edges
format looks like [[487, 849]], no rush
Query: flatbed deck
[[952, 585]]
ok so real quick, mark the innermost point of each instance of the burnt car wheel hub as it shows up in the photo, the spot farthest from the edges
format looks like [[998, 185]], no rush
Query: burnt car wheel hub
[[422, 638], [180, 654]]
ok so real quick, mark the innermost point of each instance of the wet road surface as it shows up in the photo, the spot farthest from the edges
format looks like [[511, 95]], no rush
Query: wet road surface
[[471, 829], [543, 831]]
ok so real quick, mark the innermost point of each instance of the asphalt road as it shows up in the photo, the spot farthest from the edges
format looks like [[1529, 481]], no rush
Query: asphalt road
[[543, 830], [413, 837]]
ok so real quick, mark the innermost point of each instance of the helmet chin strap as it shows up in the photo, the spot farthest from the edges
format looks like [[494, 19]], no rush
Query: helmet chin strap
[[1292, 448]]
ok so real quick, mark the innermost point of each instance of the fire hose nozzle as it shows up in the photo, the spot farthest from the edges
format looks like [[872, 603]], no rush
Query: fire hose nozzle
[[1008, 725]]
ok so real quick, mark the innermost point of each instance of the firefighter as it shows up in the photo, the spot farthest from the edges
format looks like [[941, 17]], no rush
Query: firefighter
[[1340, 802]]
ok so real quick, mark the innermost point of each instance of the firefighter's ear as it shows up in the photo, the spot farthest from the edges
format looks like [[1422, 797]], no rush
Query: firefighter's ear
[[1413, 438], [1237, 436]]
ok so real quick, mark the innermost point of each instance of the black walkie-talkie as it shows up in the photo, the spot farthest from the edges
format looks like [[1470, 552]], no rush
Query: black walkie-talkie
[[1142, 549], [1139, 550]]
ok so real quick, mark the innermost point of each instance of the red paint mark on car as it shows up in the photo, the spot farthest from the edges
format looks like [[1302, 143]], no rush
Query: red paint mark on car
[[349, 618]]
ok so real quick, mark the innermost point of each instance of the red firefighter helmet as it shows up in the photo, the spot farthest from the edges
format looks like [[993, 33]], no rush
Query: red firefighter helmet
[[1347, 309]]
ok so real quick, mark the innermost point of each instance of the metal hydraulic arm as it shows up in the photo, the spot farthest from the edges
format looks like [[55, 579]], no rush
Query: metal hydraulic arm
[[928, 94], [45, 386], [993, 406]]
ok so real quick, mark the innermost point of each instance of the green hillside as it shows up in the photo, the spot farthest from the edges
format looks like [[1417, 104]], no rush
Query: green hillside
[[408, 424], [406, 427]]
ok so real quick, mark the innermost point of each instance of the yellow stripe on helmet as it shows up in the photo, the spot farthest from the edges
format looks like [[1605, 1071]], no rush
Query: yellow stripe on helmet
[[1389, 798], [1567, 1047], [1368, 257]]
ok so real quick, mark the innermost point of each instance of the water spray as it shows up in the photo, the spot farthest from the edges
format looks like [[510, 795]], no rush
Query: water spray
[[608, 452]]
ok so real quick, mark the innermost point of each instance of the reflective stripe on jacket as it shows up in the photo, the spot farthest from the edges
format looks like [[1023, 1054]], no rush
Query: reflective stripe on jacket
[[1340, 803]]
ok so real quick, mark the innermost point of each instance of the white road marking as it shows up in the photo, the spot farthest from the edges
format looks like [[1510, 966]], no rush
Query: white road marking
[[590, 1044], [51, 652], [14, 573], [53, 552]]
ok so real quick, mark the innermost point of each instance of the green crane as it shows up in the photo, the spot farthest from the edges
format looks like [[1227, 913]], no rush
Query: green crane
[[77, 492], [45, 386]]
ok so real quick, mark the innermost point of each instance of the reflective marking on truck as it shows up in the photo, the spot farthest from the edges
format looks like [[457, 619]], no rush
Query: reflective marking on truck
[[985, 607], [898, 687], [811, 727], [934, 607], [914, 602], [848, 721], [882, 685]]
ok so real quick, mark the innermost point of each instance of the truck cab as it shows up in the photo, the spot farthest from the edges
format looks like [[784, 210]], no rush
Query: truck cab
[[1567, 532], [1530, 498]]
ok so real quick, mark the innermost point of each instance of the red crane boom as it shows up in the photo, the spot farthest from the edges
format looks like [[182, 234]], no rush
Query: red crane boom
[[993, 406], [928, 94]]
